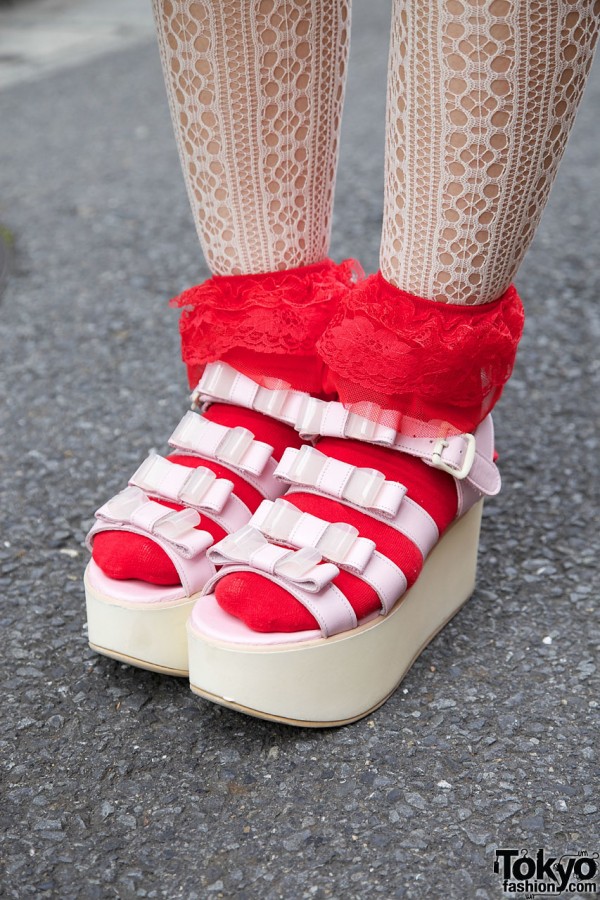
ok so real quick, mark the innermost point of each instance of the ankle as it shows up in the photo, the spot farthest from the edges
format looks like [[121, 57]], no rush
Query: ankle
[[396, 354]]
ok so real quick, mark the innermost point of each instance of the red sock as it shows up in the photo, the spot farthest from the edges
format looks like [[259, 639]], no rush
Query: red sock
[[267, 607], [122, 555]]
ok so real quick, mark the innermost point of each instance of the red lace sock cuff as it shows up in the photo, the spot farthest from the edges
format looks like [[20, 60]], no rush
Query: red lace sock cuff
[[264, 323], [392, 354]]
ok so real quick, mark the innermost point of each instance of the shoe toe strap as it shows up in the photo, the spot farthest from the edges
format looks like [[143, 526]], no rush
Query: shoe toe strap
[[336, 541], [174, 532], [329, 606]]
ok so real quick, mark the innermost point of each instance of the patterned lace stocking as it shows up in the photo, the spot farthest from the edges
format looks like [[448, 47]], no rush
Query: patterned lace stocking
[[256, 91], [481, 98]]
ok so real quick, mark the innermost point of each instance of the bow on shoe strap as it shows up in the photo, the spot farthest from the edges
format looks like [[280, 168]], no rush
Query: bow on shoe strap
[[320, 418], [235, 447], [365, 488], [131, 509], [300, 572], [224, 384], [338, 542], [196, 487], [249, 547], [174, 532]]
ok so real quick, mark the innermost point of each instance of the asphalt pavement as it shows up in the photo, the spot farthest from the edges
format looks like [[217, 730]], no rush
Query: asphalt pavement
[[120, 783]]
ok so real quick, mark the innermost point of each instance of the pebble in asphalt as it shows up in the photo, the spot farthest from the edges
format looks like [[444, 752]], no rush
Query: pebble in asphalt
[[119, 783]]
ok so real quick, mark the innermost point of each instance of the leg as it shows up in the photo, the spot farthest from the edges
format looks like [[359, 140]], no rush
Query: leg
[[469, 165], [481, 98], [474, 139], [255, 91]]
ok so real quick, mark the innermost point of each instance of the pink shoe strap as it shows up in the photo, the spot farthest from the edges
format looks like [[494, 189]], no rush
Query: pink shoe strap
[[223, 384], [309, 471], [249, 546], [462, 455], [196, 488], [175, 532], [338, 542], [319, 418], [365, 488], [235, 448], [329, 606], [412, 520]]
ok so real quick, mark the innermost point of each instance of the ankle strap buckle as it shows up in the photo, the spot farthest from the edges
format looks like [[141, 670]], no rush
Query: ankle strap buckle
[[439, 463]]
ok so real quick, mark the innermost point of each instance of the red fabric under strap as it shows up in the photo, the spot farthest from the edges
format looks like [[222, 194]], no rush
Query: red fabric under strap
[[264, 323], [391, 354]]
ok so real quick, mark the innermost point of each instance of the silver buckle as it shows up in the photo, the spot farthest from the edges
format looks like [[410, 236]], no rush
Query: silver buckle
[[195, 401], [467, 464]]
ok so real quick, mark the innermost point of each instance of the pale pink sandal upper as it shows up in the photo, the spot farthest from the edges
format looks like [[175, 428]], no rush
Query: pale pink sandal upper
[[197, 489], [307, 540]]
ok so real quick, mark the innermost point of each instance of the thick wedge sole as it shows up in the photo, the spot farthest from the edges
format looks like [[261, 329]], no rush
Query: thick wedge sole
[[150, 636], [334, 681]]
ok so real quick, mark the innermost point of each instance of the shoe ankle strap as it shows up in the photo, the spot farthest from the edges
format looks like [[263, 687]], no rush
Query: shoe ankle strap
[[222, 383], [467, 457]]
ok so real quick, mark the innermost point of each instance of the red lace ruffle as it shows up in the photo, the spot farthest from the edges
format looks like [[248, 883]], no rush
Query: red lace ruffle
[[392, 354], [266, 325]]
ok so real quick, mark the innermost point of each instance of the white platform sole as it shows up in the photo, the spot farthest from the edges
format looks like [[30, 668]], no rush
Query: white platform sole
[[334, 681], [150, 636]]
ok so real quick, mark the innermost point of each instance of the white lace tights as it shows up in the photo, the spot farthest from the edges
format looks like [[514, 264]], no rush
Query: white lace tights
[[481, 98], [256, 91]]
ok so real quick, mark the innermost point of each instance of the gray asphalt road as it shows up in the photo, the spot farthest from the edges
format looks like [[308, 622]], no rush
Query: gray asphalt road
[[119, 783]]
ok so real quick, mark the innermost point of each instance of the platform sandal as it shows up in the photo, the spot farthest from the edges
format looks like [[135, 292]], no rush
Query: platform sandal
[[345, 668], [143, 624]]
